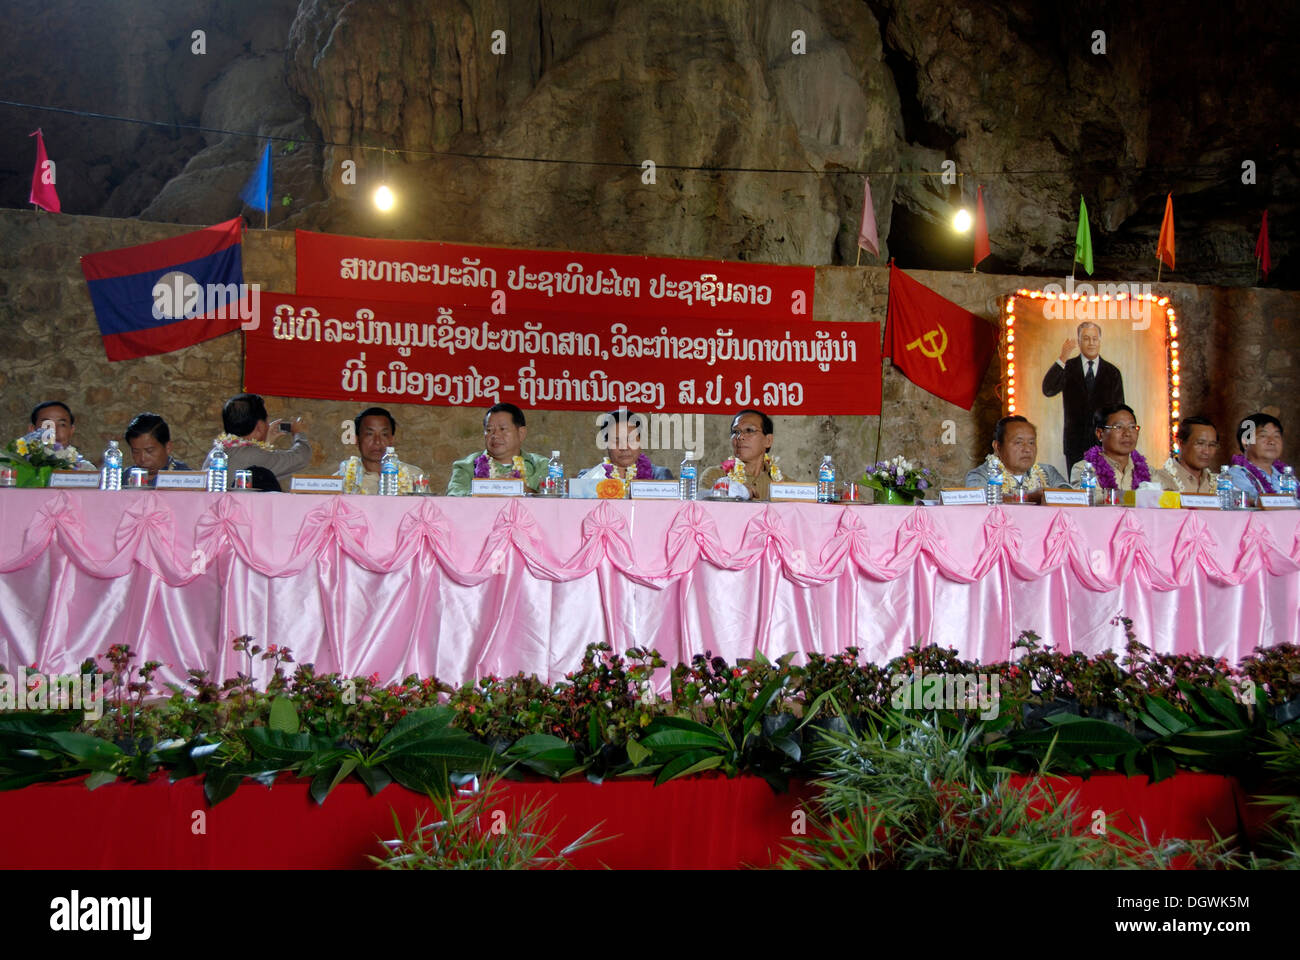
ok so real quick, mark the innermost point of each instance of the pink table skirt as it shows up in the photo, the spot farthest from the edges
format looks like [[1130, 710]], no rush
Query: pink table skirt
[[460, 588]]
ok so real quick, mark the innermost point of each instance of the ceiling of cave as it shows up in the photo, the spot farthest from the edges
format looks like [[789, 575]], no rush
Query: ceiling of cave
[[759, 149]]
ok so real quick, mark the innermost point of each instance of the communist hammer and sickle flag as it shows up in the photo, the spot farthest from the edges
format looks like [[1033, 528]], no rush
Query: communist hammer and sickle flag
[[939, 346], [928, 346]]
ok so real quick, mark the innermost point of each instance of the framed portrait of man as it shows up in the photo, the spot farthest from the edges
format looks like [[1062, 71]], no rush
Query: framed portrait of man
[[1072, 349]]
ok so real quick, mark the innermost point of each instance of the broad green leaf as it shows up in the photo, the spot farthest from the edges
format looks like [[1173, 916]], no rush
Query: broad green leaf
[[1166, 714], [85, 747], [289, 749], [1225, 742], [759, 706], [1080, 735], [325, 781], [220, 783], [417, 725], [284, 715], [543, 753], [789, 747], [1163, 765], [686, 763], [636, 753], [465, 753], [375, 778], [99, 778], [673, 741]]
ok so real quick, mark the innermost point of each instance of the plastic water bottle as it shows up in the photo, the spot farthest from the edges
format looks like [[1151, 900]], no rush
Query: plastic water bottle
[[1287, 484], [1088, 482], [217, 464], [110, 474], [826, 480], [554, 483], [388, 467], [993, 489], [688, 485], [1223, 487]]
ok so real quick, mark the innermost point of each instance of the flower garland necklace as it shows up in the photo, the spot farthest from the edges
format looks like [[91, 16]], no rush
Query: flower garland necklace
[[644, 469], [1171, 468], [229, 440], [1260, 477], [734, 468], [1106, 479], [352, 470], [1037, 475], [484, 468]]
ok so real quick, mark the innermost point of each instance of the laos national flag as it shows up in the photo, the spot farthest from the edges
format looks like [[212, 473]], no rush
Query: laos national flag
[[159, 297]]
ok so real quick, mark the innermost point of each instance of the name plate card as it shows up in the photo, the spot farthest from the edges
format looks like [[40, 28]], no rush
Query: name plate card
[[76, 479], [314, 483], [1056, 497], [962, 496], [1277, 501], [181, 480], [654, 489], [794, 492], [1200, 501], [484, 487]]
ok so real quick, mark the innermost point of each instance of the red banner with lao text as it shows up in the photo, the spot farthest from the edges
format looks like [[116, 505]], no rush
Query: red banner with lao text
[[519, 282], [376, 351]]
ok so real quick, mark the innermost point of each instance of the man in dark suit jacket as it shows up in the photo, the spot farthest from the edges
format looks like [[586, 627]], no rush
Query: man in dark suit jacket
[[1087, 382]]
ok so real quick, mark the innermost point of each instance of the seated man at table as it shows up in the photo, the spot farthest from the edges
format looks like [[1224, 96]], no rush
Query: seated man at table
[[245, 440], [54, 419], [150, 440], [1190, 471], [502, 456], [1258, 468], [375, 429], [751, 463], [1015, 455], [1115, 458], [621, 432]]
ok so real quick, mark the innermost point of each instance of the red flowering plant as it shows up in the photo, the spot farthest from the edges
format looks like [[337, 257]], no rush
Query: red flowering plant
[[500, 710], [1276, 670], [125, 719], [605, 703], [710, 688], [839, 682]]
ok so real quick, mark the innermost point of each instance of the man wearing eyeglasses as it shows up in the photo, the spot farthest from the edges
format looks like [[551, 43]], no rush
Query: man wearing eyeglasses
[[1189, 472], [1115, 458], [1087, 383], [752, 462]]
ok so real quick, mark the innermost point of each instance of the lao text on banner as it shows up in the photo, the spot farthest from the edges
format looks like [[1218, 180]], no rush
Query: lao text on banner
[[465, 356]]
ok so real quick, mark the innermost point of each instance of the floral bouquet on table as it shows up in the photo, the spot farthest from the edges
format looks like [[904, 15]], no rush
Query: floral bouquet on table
[[898, 480], [35, 456]]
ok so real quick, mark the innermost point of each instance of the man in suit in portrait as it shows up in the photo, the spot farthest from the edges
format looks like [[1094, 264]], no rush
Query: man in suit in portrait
[[1087, 383]]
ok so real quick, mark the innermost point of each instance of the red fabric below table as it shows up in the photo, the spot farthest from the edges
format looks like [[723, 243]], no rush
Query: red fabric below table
[[696, 823]]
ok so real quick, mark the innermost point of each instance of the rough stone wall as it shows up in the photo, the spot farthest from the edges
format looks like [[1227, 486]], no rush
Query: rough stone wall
[[1239, 355], [1017, 94]]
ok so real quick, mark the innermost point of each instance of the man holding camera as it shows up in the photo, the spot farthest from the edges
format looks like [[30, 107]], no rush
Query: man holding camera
[[248, 439]]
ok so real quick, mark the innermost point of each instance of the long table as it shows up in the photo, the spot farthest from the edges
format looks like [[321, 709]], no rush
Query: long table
[[460, 588]]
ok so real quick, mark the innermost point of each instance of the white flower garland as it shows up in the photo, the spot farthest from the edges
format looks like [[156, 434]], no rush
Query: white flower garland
[[353, 469], [1037, 475], [229, 440]]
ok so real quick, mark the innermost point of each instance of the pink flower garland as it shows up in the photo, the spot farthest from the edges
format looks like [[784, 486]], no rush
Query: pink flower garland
[[644, 468], [482, 470], [1260, 477], [1106, 479]]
